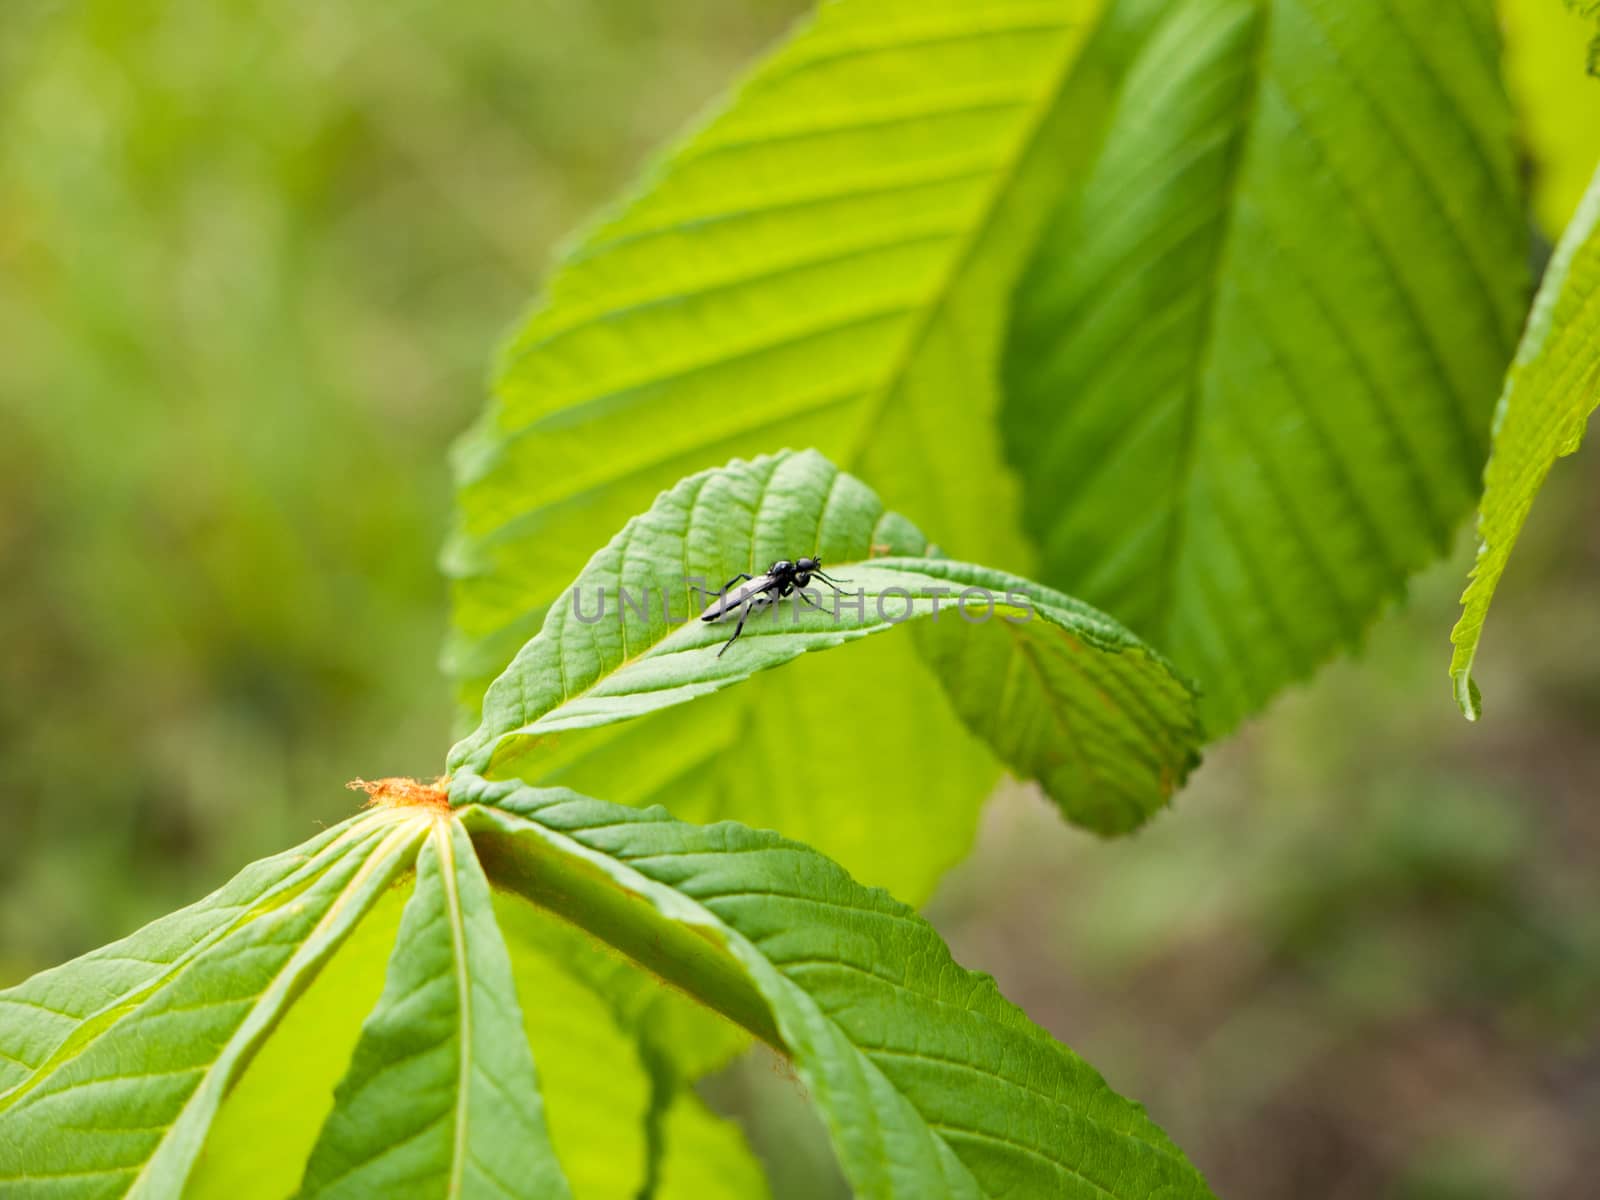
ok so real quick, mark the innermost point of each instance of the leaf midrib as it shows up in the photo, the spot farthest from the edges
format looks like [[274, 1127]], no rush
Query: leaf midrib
[[458, 944], [281, 892], [875, 400], [1176, 540], [528, 726]]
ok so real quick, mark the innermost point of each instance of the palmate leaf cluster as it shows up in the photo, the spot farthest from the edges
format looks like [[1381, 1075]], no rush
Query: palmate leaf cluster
[[930, 1082], [1187, 313]]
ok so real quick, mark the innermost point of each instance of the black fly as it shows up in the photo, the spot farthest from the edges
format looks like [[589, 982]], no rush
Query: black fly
[[754, 593]]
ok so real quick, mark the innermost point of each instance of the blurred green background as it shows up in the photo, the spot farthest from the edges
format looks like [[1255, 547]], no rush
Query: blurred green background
[[253, 260]]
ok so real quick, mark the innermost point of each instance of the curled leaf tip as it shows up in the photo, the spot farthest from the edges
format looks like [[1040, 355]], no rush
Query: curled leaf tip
[[1468, 698], [398, 792]]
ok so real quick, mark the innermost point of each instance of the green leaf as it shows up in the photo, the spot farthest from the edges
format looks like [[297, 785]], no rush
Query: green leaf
[[78, 1000], [1549, 393], [826, 262], [591, 1015], [441, 1096], [288, 1086], [1245, 379], [213, 1080], [125, 1102], [1060, 692], [700, 760], [930, 1083], [822, 263]]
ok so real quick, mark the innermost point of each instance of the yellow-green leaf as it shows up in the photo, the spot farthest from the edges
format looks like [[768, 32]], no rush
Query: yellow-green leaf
[[1549, 393]]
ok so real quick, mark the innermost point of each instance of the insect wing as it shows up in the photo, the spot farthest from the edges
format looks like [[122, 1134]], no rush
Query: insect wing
[[734, 599]]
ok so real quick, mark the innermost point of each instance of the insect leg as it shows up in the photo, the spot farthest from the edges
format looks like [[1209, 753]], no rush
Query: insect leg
[[738, 629], [739, 578]]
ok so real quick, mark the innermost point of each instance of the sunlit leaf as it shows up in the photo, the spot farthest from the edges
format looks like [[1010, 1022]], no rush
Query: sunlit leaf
[[125, 1103], [441, 1098], [836, 784], [288, 1087], [597, 1090], [660, 1022], [930, 1083], [824, 263], [821, 264], [617, 1050], [79, 999]]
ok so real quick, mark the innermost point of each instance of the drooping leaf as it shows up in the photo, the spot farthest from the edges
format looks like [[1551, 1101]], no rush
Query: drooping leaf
[[441, 1097], [1550, 391], [930, 1083], [591, 1018], [590, 1014], [1059, 692], [124, 1104], [1246, 379]]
